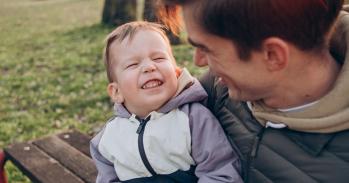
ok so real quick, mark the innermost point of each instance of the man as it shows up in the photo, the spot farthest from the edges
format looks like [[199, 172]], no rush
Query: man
[[279, 92]]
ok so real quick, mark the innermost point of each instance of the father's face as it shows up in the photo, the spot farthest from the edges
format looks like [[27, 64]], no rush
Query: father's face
[[246, 79]]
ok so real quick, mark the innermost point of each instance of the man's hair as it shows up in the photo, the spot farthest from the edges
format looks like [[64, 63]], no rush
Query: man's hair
[[304, 23], [129, 30]]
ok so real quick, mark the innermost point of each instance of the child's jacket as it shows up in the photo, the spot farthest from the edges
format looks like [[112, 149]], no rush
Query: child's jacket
[[170, 145]]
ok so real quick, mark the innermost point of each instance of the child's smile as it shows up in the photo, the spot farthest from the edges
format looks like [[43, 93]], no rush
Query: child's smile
[[152, 84]]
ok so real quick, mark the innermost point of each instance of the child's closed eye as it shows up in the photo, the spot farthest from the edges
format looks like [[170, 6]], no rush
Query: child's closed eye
[[131, 65], [159, 59]]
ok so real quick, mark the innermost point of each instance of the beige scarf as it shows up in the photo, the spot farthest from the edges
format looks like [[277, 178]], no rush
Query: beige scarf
[[184, 81], [330, 113]]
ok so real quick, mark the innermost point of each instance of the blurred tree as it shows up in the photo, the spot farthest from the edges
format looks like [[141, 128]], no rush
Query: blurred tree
[[150, 15], [149, 11], [117, 12]]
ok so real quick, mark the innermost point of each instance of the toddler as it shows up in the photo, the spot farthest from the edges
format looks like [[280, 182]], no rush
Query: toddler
[[161, 133]]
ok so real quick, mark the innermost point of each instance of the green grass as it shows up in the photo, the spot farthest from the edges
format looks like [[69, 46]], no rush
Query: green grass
[[51, 73]]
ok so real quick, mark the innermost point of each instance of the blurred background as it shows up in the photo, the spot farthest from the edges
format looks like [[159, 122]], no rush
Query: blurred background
[[52, 76]]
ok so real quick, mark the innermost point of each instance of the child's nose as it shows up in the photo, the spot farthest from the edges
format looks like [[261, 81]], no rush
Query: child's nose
[[149, 67]]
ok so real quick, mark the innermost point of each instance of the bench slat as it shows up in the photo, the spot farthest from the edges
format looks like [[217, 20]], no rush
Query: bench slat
[[80, 164], [38, 166], [78, 140]]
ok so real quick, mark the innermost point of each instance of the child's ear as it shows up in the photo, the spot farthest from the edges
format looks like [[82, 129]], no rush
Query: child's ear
[[114, 93], [178, 71]]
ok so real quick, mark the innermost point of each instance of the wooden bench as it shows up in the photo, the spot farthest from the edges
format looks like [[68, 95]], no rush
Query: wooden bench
[[61, 158]]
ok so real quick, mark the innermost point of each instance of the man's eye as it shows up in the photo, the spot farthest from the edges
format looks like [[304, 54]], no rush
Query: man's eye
[[203, 49]]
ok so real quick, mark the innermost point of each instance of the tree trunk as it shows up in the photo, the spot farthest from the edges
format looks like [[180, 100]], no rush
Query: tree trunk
[[149, 11], [117, 12], [149, 15]]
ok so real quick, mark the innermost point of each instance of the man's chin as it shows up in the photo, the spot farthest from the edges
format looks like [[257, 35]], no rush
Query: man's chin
[[234, 95]]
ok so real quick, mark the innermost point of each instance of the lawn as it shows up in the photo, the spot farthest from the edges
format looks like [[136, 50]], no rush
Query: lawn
[[52, 76]]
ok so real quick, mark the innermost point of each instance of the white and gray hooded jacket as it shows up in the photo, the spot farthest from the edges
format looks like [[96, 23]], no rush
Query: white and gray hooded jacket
[[181, 135]]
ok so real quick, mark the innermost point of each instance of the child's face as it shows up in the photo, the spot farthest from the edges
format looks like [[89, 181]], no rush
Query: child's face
[[144, 71]]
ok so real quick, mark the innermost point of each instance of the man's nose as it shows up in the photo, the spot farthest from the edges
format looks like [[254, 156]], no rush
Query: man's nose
[[200, 59]]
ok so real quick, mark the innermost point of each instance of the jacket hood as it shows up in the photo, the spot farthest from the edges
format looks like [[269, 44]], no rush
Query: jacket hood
[[189, 90], [331, 112]]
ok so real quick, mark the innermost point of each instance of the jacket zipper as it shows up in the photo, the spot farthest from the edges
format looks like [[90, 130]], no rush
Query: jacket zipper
[[140, 132], [253, 153]]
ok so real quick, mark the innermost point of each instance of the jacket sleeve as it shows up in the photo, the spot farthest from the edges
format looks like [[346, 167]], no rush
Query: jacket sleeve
[[105, 168], [215, 158]]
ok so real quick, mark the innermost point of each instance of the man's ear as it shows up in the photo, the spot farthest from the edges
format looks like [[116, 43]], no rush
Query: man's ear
[[276, 53], [114, 93]]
